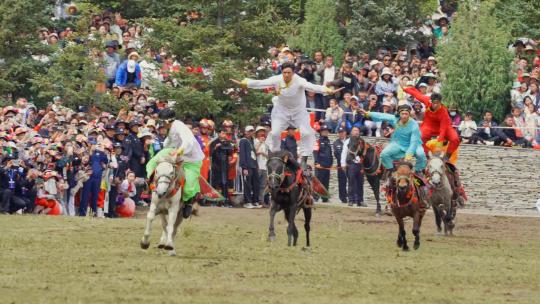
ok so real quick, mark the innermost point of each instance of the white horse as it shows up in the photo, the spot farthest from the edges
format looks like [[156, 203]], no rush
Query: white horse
[[441, 194], [166, 201]]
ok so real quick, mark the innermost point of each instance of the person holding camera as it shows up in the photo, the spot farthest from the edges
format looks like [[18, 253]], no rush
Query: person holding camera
[[10, 176], [221, 151]]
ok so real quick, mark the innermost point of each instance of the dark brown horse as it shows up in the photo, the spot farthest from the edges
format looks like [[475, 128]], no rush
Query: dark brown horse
[[405, 200], [371, 162], [287, 194]]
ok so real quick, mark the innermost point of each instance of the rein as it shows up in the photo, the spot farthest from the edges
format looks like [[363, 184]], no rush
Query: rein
[[176, 179]]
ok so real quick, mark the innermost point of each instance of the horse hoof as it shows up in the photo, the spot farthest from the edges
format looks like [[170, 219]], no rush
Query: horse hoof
[[405, 248], [144, 245], [416, 246], [271, 238], [168, 247], [161, 246], [399, 243]]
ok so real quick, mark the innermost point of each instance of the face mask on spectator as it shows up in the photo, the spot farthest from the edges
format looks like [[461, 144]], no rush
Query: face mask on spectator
[[131, 66]]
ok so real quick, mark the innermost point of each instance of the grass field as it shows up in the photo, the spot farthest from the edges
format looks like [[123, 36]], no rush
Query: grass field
[[223, 257]]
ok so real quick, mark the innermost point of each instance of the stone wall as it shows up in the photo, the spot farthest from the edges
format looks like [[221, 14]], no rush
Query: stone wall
[[496, 179]]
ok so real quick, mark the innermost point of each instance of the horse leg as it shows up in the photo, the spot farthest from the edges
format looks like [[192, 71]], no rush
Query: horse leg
[[173, 214], [403, 235], [375, 184], [287, 212], [273, 211], [294, 231], [307, 227], [401, 226], [179, 219], [416, 229], [145, 242], [438, 220], [449, 218], [163, 238]]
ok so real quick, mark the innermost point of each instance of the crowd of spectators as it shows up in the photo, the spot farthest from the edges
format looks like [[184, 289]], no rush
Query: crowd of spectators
[[60, 158]]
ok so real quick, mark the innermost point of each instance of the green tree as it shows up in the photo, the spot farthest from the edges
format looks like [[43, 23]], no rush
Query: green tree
[[384, 24], [475, 63], [520, 16], [320, 30], [74, 76], [19, 23]]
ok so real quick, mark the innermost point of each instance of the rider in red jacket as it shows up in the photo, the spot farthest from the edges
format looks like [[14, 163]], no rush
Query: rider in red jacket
[[436, 121]]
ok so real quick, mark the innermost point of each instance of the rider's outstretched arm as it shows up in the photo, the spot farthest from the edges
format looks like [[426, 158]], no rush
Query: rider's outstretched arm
[[379, 117], [261, 84], [414, 92]]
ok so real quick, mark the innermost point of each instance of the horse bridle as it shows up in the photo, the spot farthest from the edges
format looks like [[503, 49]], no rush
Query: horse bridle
[[171, 180], [431, 174], [280, 177]]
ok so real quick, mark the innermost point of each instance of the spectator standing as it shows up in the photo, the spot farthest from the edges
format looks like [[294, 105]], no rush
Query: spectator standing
[[338, 147], [323, 158], [355, 175], [261, 150], [112, 61], [289, 142], [249, 165]]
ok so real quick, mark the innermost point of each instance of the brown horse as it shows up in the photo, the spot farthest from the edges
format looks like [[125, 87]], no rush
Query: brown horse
[[406, 200]]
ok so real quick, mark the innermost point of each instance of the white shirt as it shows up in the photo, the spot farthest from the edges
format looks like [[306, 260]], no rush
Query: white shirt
[[290, 97], [261, 147], [180, 136]]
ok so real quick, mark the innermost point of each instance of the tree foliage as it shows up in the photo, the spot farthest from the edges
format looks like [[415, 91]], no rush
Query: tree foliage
[[383, 24], [522, 17], [479, 78], [19, 22], [320, 30]]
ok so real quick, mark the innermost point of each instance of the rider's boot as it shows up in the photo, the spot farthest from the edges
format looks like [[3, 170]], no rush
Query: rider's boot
[[188, 207]]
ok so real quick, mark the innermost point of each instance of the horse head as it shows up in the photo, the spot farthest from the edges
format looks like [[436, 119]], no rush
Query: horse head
[[276, 166], [403, 176], [166, 175], [436, 169], [355, 148]]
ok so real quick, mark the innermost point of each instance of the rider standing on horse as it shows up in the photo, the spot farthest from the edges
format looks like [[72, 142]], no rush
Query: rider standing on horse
[[437, 123], [405, 141], [181, 140], [289, 106]]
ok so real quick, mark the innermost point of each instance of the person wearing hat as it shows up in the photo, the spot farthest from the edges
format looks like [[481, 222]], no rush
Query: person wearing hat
[[337, 147], [289, 142], [248, 164], [205, 139], [289, 106], [137, 158], [221, 152], [322, 155], [261, 151], [405, 141], [112, 61], [181, 141], [128, 73], [386, 84]]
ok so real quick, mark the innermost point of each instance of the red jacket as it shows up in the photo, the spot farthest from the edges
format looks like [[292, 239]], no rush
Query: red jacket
[[433, 121]]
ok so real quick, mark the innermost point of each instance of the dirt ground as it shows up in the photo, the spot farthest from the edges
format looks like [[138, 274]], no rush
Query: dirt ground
[[224, 257]]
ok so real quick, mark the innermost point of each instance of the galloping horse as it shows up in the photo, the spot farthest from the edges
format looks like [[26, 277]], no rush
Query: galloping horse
[[370, 159], [441, 194], [406, 200], [288, 195], [166, 201]]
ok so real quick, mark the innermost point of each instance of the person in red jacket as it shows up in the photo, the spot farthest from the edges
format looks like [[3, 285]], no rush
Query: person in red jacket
[[437, 123]]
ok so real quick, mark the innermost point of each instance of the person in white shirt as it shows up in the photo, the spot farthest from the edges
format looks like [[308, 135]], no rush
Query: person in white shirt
[[289, 107], [467, 127], [261, 150], [181, 140]]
